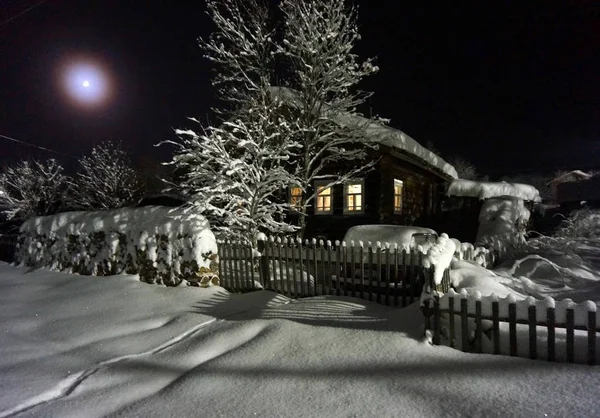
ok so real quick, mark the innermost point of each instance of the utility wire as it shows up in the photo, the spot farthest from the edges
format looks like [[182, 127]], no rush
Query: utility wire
[[10, 19], [37, 146]]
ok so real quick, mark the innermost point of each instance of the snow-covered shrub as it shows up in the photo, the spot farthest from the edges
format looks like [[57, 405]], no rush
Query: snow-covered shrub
[[162, 245], [106, 179], [31, 188]]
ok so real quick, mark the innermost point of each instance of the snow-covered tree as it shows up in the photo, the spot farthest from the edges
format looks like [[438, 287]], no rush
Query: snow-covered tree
[[464, 168], [32, 188], [234, 172], [323, 73], [106, 179]]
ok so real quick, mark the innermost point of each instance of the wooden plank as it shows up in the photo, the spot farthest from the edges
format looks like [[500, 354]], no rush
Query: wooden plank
[[313, 291], [464, 324], [478, 327], [236, 265], [452, 332], [591, 354], [264, 264], [512, 327], [331, 267], [345, 264], [496, 326], [370, 249], [396, 274], [353, 267], [550, 319], [405, 278], [378, 271], [363, 293], [338, 266], [250, 267], [570, 335], [283, 268], [220, 269], [436, 320], [305, 275], [284, 260], [274, 284], [296, 244], [532, 332], [388, 273], [231, 263], [323, 277]]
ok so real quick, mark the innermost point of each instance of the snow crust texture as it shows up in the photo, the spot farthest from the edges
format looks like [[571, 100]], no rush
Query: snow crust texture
[[162, 245]]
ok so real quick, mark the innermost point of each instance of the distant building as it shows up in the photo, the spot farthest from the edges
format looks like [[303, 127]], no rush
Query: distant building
[[571, 176]]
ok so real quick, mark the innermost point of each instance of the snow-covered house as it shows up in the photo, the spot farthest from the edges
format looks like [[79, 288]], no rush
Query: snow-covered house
[[405, 187]]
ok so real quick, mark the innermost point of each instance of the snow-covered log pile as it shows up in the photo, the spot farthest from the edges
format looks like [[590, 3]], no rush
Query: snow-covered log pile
[[163, 245]]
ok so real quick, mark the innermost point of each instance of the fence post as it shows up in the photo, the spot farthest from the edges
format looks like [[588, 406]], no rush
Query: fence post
[[532, 330], [496, 324], [551, 322], [512, 327], [451, 320], [263, 263], [464, 322], [570, 334], [436, 319], [592, 336]]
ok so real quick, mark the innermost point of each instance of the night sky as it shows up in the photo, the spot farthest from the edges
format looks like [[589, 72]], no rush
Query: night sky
[[511, 86]]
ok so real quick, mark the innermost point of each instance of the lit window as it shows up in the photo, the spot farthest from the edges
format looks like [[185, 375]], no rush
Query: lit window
[[295, 196], [323, 200], [398, 186], [353, 197]]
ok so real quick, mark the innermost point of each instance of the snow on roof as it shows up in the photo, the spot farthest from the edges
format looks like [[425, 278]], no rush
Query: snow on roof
[[571, 176], [382, 134], [486, 190]]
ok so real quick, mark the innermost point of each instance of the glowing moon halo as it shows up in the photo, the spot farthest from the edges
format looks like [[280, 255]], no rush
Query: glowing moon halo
[[85, 83]]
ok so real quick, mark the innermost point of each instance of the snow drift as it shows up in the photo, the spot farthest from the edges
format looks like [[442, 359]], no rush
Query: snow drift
[[162, 245]]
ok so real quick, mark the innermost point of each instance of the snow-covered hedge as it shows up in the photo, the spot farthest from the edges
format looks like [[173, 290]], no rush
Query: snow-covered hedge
[[163, 245]]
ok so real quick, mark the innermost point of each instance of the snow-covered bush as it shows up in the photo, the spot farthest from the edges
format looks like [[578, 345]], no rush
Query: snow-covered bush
[[31, 188], [162, 245], [106, 179]]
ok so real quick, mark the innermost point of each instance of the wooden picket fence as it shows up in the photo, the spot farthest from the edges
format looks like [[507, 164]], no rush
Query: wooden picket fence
[[533, 327], [377, 272]]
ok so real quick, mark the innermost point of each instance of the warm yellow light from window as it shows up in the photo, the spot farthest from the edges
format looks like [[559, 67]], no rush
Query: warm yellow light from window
[[323, 199], [295, 196], [354, 197], [398, 185]]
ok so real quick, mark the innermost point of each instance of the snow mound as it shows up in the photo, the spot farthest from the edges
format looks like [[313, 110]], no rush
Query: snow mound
[[486, 190], [162, 244], [439, 256]]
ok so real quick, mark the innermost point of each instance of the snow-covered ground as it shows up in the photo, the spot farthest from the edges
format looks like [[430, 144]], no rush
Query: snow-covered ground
[[73, 346]]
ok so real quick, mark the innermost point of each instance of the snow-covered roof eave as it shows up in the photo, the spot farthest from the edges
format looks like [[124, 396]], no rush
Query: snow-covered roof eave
[[383, 135], [486, 190]]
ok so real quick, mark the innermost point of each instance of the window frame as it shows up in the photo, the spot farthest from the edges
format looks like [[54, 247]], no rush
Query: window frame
[[296, 207], [322, 183], [398, 211], [347, 210]]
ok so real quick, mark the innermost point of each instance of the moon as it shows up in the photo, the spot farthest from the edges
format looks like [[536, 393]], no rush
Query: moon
[[86, 82]]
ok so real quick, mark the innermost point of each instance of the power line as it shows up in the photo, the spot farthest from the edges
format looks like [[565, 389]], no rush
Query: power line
[[10, 19], [37, 146]]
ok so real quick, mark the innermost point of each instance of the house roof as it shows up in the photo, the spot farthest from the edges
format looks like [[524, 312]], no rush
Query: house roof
[[574, 175], [383, 135], [487, 190]]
